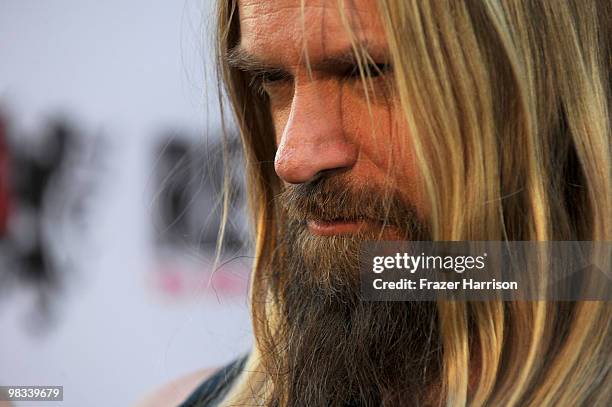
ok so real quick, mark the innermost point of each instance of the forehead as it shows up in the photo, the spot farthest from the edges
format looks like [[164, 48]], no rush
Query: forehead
[[284, 29]]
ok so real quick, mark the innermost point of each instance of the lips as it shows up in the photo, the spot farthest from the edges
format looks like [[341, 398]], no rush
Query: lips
[[336, 227], [377, 230]]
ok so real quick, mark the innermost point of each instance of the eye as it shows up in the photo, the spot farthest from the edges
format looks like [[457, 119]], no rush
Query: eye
[[269, 77], [371, 70], [261, 81]]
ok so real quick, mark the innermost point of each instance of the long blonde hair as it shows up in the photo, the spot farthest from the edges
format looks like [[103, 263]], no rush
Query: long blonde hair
[[509, 104]]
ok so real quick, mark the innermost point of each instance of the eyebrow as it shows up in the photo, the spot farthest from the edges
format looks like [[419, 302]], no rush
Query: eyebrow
[[242, 59], [239, 58]]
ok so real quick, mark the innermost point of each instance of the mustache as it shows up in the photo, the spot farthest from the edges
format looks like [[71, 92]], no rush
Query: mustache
[[335, 198]]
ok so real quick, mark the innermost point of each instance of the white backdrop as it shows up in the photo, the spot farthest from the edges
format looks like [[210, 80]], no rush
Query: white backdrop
[[122, 69]]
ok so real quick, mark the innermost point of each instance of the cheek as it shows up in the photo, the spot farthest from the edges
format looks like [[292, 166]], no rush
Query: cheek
[[385, 147], [408, 173], [382, 141]]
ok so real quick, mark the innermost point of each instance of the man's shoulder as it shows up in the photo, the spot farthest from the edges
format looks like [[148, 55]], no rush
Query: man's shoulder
[[175, 392]]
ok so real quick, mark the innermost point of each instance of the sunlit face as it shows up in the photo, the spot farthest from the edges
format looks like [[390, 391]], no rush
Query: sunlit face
[[323, 123], [349, 175]]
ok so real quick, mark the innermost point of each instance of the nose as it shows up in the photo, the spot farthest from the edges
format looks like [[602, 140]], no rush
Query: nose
[[313, 139]]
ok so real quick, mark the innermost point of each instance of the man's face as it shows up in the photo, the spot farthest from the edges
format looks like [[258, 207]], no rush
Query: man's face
[[349, 175], [327, 125]]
